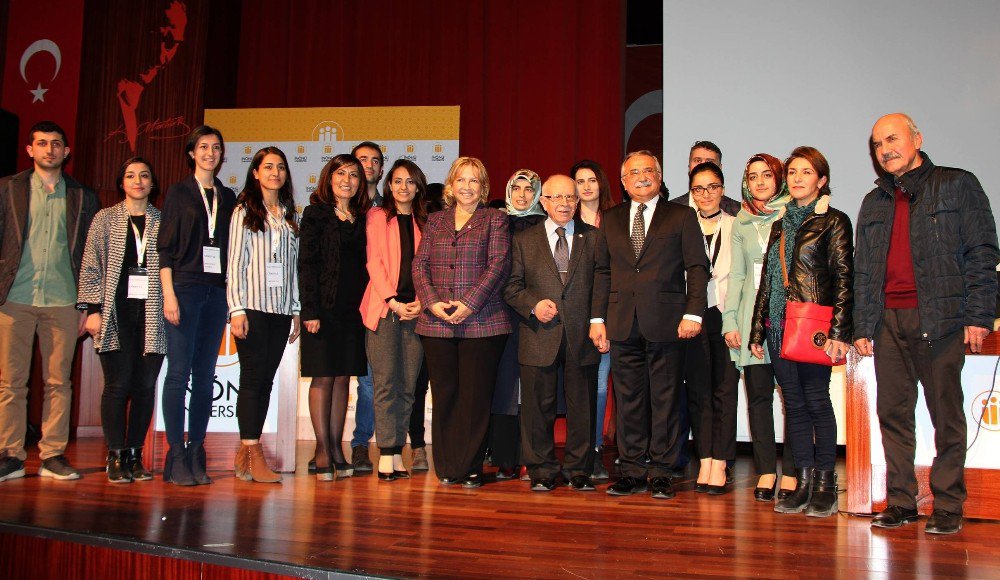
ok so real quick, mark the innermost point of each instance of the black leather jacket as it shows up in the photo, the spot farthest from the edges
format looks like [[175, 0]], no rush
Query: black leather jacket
[[953, 241], [822, 270]]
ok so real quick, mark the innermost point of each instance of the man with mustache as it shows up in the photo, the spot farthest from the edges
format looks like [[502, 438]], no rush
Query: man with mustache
[[645, 308], [925, 286], [44, 218]]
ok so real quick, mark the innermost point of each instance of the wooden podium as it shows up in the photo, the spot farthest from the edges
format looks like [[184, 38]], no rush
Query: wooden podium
[[866, 481]]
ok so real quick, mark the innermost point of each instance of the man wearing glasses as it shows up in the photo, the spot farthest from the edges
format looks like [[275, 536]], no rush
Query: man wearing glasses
[[645, 308], [550, 287]]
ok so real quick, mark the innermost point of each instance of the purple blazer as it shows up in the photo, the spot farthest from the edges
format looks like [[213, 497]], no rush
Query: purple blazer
[[470, 266]]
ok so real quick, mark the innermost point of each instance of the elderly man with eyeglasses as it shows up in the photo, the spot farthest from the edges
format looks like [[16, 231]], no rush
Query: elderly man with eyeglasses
[[650, 293]]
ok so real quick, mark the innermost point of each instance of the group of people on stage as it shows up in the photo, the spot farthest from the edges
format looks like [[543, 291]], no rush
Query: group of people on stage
[[509, 313]]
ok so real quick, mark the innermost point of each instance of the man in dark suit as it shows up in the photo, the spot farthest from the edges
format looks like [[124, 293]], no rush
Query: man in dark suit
[[645, 308], [550, 286], [44, 218]]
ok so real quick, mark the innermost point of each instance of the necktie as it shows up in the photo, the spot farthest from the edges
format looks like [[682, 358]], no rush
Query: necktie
[[562, 255], [638, 230]]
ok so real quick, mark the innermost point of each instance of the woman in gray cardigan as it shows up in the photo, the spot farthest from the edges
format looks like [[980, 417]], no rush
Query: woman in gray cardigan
[[120, 288]]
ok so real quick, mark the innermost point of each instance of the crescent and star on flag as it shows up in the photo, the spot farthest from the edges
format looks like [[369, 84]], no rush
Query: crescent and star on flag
[[39, 46]]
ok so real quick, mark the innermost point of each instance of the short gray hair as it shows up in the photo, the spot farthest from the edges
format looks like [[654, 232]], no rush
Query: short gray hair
[[641, 153]]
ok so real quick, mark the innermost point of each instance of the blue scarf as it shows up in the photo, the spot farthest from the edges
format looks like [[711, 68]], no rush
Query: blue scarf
[[790, 224]]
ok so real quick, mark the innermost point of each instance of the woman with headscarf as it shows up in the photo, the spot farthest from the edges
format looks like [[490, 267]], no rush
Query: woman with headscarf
[[764, 194], [524, 189], [810, 258]]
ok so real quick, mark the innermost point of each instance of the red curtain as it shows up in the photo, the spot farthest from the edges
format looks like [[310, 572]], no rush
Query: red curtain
[[539, 83]]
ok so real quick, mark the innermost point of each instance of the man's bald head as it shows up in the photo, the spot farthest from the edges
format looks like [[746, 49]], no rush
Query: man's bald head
[[559, 198]]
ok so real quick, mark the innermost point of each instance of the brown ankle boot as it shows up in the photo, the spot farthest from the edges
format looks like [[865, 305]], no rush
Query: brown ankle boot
[[242, 463], [257, 466]]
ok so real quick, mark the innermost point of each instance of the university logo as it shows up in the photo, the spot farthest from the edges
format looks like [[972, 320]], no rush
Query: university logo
[[312, 179], [986, 410], [409, 147], [327, 149], [301, 149], [227, 350], [247, 150], [438, 148], [232, 180], [327, 132], [384, 148]]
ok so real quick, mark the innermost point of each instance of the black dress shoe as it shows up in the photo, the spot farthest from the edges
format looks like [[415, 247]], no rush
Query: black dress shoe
[[700, 487], [581, 483], [628, 486], [784, 493], [505, 473], [730, 477], [472, 481], [391, 476], [401, 474], [718, 489], [311, 466], [894, 516], [662, 488], [449, 480], [942, 522], [763, 493], [543, 484]]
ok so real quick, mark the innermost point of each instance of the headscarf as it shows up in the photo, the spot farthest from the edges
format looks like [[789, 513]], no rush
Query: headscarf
[[536, 184], [780, 199]]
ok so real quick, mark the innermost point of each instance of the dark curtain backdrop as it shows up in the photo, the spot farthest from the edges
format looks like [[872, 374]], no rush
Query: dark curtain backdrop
[[539, 83]]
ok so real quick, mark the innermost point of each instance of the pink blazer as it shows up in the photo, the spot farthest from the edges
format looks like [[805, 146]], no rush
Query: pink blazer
[[383, 265]]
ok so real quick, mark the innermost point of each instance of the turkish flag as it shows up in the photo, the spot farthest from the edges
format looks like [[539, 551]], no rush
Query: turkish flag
[[42, 73]]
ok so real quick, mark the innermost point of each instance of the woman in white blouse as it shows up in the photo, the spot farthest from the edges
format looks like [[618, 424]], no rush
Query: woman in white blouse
[[263, 295]]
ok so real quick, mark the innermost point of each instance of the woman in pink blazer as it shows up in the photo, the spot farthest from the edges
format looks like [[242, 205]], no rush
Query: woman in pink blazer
[[389, 310]]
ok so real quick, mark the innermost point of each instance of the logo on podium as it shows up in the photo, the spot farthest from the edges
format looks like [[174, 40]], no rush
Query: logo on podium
[[986, 410]]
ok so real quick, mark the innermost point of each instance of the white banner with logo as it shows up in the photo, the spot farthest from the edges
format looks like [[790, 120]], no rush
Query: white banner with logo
[[982, 416]]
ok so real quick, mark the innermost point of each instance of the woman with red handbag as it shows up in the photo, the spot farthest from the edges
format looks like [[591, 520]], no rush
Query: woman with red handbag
[[808, 275]]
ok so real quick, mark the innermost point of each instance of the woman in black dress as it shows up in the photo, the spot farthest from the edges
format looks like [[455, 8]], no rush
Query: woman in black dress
[[332, 280]]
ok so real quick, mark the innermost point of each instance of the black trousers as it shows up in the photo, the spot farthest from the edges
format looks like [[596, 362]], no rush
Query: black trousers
[[902, 359], [759, 382], [712, 399], [538, 416], [129, 385], [417, 414], [463, 373], [647, 387], [505, 440], [260, 354]]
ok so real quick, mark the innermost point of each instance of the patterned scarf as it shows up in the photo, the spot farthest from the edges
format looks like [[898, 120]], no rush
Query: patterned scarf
[[790, 224], [536, 183]]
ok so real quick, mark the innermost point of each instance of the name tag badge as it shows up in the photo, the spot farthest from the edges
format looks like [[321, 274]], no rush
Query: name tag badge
[[712, 301], [212, 259], [275, 275], [758, 272], [138, 283]]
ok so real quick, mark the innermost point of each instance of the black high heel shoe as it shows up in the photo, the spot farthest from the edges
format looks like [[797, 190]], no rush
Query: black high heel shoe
[[391, 476]]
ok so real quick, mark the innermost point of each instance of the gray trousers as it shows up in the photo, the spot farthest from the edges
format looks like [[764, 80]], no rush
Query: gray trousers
[[395, 355]]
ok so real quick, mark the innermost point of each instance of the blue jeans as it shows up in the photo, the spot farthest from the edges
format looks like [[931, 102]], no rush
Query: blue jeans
[[603, 371], [364, 411], [192, 351], [810, 425]]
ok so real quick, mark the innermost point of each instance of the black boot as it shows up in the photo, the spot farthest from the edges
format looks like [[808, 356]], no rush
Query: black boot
[[196, 454], [118, 471], [799, 499], [176, 469], [139, 471], [824, 494]]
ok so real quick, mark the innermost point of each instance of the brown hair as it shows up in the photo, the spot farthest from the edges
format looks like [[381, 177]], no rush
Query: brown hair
[[324, 191], [816, 159]]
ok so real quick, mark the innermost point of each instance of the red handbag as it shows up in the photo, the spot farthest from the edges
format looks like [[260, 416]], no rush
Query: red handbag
[[806, 327]]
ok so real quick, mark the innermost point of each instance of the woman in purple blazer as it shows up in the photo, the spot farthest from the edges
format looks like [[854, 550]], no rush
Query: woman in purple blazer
[[459, 273]]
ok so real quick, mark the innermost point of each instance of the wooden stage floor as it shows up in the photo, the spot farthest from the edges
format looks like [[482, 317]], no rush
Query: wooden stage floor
[[417, 527]]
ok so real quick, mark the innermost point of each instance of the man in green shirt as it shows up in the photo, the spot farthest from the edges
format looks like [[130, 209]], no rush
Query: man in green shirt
[[44, 219]]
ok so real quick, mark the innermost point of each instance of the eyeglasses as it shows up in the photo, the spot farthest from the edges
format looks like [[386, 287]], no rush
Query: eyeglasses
[[711, 188], [568, 199], [644, 172]]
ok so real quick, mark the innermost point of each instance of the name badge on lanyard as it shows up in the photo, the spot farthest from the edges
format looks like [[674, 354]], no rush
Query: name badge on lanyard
[[275, 275], [211, 256], [212, 259], [138, 278], [275, 270], [758, 273]]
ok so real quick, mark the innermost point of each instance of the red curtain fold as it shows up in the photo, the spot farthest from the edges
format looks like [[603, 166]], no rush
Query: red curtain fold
[[540, 84]]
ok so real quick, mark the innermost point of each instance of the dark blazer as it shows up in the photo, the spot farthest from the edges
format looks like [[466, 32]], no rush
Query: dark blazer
[[533, 277], [652, 288], [319, 258], [15, 194], [470, 266]]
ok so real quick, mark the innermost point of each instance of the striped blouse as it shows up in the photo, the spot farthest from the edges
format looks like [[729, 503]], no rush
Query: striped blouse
[[249, 254]]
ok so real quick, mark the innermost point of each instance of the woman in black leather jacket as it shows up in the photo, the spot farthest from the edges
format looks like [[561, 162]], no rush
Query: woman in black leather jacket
[[819, 260]]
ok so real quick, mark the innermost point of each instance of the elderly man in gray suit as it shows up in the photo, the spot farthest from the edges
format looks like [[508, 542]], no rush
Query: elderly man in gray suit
[[550, 285]]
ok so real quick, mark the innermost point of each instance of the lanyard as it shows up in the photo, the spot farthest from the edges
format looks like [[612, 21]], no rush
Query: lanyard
[[761, 239], [712, 244], [274, 225], [212, 212], [140, 241]]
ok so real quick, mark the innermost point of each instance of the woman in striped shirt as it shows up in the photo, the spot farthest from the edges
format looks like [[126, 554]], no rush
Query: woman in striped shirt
[[263, 295]]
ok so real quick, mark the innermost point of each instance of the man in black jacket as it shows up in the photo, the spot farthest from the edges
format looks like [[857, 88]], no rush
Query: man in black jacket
[[924, 287], [44, 218]]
